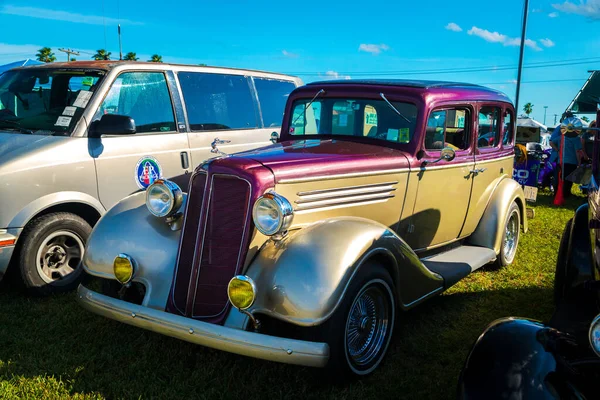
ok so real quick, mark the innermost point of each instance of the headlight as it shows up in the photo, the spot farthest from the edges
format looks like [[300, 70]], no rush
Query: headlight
[[163, 198], [123, 268], [595, 335], [241, 292], [272, 214]]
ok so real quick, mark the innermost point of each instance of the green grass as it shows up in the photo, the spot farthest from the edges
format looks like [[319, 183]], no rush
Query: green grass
[[52, 349]]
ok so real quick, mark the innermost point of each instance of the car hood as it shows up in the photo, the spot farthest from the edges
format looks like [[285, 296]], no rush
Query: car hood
[[14, 144], [308, 159]]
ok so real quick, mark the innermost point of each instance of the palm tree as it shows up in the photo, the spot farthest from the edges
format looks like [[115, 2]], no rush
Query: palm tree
[[586, 119], [46, 55], [73, 59], [528, 108], [156, 58], [131, 56], [101, 55]]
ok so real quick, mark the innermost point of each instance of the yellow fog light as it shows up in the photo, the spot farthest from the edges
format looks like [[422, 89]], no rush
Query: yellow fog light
[[123, 268], [241, 292]]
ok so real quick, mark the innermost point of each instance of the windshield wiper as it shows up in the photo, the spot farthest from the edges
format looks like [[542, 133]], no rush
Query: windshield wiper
[[394, 108], [320, 92], [14, 127]]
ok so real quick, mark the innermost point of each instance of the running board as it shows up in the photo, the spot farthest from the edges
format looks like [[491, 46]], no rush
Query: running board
[[453, 265]]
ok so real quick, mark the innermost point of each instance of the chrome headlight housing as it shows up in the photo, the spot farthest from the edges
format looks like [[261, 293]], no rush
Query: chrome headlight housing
[[272, 214], [595, 335], [163, 198]]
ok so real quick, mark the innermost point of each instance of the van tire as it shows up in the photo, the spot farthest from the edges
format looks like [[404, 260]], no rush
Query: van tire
[[51, 248]]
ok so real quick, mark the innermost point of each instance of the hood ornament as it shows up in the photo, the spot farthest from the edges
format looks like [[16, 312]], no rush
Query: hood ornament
[[215, 149]]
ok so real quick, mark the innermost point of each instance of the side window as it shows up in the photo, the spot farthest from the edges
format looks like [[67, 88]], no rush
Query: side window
[[272, 95], [489, 127], [508, 128], [143, 96], [370, 122], [447, 128], [217, 101]]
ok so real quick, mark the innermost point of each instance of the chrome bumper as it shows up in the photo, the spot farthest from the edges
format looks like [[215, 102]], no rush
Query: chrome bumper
[[6, 251], [218, 337]]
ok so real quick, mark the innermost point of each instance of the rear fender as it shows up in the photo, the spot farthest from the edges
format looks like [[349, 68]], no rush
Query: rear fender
[[303, 278]]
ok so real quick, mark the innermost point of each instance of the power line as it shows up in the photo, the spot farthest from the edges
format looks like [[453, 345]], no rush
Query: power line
[[541, 81], [69, 52]]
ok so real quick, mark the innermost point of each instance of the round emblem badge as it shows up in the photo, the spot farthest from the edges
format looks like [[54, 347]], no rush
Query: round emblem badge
[[147, 171]]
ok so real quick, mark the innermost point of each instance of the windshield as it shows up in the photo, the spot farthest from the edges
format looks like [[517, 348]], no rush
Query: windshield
[[45, 101], [372, 118]]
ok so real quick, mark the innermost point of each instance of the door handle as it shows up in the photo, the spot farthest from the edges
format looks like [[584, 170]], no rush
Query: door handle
[[185, 161], [478, 171]]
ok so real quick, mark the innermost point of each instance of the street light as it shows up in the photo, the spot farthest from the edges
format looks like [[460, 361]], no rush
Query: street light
[[545, 108]]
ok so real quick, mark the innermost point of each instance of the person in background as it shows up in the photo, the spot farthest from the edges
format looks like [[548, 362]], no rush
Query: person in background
[[572, 152], [587, 140], [555, 138]]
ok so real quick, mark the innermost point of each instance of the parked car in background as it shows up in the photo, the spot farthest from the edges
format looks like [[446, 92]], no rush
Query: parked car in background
[[519, 358], [77, 137], [376, 198]]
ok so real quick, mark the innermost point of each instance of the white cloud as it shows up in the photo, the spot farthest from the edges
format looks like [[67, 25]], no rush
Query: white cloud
[[547, 42], [335, 75], [589, 8], [512, 81], [288, 54], [374, 49], [57, 15], [553, 14], [453, 27], [537, 10], [493, 37]]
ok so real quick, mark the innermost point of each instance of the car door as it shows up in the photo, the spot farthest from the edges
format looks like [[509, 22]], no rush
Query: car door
[[493, 158], [127, 163], [444, 188], [223, 108]]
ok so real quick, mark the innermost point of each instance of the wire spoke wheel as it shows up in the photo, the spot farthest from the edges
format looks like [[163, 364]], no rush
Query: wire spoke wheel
[[511, 237]]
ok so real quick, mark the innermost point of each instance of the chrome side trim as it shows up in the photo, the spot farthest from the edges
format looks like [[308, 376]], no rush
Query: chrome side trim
[[358, 189], [440, 289], [251, 344], [344, 196], [340, 176], [344, 201]]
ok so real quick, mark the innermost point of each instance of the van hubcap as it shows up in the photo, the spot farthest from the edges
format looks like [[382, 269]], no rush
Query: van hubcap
[[59, 255]]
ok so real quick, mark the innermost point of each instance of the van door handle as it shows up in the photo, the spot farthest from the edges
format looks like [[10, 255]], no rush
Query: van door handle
[[185, 161]]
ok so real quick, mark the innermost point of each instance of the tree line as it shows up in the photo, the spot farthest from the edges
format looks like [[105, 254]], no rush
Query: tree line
[[46, 55]]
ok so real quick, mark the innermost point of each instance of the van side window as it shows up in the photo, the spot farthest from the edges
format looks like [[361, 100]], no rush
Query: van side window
[[448, 128], [508, 128], [489, 127], [144, 97], [218, 101], [272, 95]]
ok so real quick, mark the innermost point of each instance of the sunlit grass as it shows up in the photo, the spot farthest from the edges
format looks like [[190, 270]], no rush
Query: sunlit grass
[[52, 349]]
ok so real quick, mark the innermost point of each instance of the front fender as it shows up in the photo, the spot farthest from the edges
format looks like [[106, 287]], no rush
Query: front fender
[[490, 230], [129, 228], [303, 278], [508, 362]]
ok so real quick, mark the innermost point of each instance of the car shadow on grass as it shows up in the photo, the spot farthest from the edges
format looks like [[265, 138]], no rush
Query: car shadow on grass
[[92, 355]]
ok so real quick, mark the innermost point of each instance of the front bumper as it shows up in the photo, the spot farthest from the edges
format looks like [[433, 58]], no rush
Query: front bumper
[[6, 250], [218, 337]]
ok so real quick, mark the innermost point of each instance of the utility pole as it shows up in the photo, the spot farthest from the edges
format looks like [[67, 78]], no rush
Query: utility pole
[[555, 115], [120, 46], [69, 52], [523, 34], [545, 108]]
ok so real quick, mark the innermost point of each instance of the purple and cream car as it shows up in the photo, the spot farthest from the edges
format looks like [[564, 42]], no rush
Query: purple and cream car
[[376, 196]]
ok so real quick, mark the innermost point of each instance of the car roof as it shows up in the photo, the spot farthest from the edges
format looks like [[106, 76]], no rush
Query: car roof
[[110, 64], [423, 84]]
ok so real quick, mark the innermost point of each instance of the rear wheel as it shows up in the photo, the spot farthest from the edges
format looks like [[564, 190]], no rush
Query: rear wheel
[[51, 250], [360, 330], [510, 237]]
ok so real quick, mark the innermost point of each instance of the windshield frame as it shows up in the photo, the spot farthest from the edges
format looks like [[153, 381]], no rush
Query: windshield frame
[[100, 73]]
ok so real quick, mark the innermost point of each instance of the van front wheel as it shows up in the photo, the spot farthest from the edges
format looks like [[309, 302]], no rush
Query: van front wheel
[[51, 250]]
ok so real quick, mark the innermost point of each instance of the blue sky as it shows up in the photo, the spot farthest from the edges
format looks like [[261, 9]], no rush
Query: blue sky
[[332, 39]]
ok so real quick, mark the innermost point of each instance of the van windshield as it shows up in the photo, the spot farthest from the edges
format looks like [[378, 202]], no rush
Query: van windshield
[[371, 118], [45, 101]]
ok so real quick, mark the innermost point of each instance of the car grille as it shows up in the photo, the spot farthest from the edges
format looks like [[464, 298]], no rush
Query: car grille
[[213, 244]]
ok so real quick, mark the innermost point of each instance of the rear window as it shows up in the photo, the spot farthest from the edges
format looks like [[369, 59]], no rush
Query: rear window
[[217, 101], [272, 95]]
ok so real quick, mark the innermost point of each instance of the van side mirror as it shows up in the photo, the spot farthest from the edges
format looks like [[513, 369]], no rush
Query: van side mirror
[[112, 124]]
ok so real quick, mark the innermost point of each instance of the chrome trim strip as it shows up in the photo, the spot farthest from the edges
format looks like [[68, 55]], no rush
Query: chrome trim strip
[[237, 341], [349, 190], [332, 207], [340, 176], [440, 289], [244, 234], [308, 205]]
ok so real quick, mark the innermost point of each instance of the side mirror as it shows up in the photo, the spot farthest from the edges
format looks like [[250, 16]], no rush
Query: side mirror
[[112, 124], [274, 137], [446, 154]]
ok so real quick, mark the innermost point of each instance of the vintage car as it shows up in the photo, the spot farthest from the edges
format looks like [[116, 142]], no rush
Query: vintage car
[[519, 358], [77, 137], [375, 198]]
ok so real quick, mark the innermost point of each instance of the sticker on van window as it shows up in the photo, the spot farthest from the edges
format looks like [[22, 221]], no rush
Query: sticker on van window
[[404, 136], [70, 111], [82, 99], [392, 135], [63, 121], [147, 171]]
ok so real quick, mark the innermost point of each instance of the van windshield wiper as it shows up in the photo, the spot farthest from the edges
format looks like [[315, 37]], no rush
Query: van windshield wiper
[[320, 92], [14, 126], [394, 108]]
